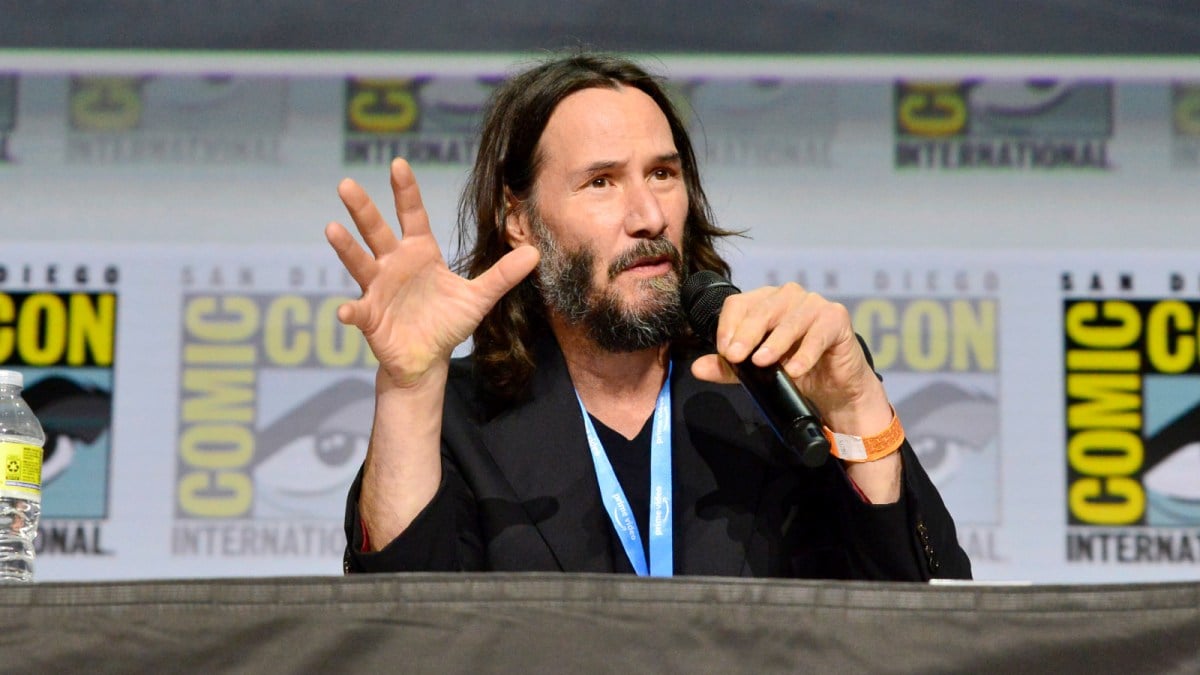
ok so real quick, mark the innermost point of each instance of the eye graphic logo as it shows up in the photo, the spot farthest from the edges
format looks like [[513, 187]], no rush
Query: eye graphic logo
[[947, 425], [1172, 476], [307, 457], [73, 415]]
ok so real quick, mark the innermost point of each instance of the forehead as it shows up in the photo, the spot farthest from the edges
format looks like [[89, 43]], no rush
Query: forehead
[[602, 124]]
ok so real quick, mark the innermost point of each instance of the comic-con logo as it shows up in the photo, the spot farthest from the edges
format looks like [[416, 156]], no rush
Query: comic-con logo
[[1132, 407], [1185, 123], [986, 124], [176, 119], [276, 404], [433, 120], [63, 343], [763, 122]]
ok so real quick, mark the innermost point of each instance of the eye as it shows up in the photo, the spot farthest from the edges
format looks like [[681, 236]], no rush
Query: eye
[[664, 173], [599, 182]]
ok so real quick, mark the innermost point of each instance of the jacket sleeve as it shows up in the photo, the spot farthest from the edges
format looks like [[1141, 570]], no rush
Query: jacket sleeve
[[913, 539], [443, 537], [838, 535]]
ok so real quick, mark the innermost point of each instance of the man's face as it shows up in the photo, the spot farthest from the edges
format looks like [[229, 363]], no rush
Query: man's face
[[608, 213], [566, 280]]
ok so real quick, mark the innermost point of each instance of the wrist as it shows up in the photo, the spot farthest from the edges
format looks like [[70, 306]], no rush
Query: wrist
[[866, 414], [854, 448]]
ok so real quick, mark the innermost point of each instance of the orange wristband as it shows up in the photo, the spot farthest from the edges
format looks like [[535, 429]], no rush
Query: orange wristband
[[868, 449]]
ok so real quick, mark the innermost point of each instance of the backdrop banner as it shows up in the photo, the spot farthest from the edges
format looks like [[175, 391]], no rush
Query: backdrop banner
[[1014, 239]]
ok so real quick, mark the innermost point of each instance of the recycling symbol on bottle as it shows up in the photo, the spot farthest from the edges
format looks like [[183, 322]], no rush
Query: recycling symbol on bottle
[[14, 467]]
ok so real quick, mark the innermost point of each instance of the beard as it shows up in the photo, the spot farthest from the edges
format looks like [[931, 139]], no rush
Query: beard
[[566, 280]]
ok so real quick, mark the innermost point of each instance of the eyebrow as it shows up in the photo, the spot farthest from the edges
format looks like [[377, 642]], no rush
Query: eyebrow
[[605, 165]]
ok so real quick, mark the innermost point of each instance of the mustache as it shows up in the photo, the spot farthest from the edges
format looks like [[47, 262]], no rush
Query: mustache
[[658, 247]]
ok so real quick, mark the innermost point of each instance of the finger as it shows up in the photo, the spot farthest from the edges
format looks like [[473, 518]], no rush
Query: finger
[[348, 313], [358, 263], [414, 220], [374, 229], [713, 368], [750, 318], [733, 311], [830, 327], [795, 321], [508, 271]]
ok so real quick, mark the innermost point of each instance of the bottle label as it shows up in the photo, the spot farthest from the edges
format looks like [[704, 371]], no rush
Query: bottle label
[[22, 465]]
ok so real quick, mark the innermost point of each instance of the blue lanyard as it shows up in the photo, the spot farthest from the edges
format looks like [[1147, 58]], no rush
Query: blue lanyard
[[662, 553]]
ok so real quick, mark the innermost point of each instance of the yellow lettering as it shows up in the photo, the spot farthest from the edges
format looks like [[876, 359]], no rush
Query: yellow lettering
[[925, 329], [1106, 452], [92, 329], [1169, 345], [1107, 501], [1122, 324], [932, 110], [8, 312], [877, 321], [218, 354], [284, 341], [223, 319], [221, 494], [226, 395], [1187, 112], [381, 106], [337, 343], [974, 334], [106, 104], [217, 446], [1105, 359], [1106, 400], [36, 346]]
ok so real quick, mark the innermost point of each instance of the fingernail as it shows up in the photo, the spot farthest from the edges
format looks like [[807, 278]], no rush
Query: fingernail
[[735, 350]]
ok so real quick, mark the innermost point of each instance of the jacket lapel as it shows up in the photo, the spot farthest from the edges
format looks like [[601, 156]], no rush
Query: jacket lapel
[[717, 464], [541, 448], [718, 475]]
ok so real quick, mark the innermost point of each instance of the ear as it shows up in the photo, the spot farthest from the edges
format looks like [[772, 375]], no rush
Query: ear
[[517, 230]]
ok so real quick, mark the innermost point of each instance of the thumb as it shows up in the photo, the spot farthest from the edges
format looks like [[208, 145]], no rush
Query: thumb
[[508, 271], [713, 368]]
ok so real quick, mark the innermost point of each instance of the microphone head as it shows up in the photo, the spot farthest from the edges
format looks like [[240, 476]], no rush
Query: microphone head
[[702, 295]]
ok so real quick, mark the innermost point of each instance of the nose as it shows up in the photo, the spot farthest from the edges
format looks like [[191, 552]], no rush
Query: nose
[[644, 214]]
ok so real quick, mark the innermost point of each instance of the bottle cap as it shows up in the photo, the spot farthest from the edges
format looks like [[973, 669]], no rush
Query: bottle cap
[[11, 377]]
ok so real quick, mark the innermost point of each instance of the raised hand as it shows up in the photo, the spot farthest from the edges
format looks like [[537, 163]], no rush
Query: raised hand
[[414, 310]]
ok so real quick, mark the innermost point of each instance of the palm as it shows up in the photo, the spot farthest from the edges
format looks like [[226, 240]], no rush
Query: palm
[[414, 310]]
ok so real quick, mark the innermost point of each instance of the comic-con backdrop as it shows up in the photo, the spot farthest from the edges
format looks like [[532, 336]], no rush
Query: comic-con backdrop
[[1019, 251]]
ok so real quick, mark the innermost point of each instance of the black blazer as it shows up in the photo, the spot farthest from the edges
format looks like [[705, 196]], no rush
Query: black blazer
[[519, 493]]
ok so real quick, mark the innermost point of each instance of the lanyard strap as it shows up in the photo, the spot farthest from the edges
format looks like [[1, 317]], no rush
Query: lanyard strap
[[662, 553]]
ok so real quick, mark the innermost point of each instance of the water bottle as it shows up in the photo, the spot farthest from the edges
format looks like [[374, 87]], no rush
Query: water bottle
[[21, 440]]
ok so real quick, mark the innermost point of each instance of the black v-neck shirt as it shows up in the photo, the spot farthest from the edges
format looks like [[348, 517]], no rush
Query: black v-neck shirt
[[630, 461]]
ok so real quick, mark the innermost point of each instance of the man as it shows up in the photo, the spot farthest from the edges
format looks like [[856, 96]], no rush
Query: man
[[585, 433]]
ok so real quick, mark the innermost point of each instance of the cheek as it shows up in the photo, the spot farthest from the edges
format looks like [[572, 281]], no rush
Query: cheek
[[677, 217]]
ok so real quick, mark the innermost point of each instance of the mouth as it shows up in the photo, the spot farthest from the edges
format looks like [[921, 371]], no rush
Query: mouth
[[650, 266]]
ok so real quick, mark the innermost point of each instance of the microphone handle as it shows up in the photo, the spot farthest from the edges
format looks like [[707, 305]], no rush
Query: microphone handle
[[774, 393]]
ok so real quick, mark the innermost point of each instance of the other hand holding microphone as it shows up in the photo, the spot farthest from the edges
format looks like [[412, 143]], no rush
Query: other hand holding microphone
[[810, 339]]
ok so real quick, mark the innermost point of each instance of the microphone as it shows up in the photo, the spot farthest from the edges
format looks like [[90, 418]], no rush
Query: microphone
[[796, 425]]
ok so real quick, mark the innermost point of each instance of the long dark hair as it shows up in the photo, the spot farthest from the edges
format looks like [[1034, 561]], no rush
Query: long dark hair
[[507, 165]]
